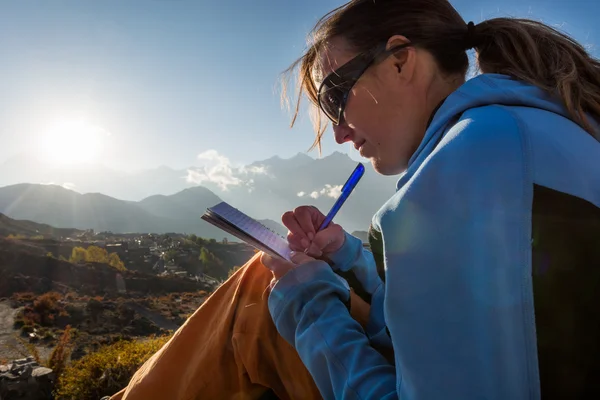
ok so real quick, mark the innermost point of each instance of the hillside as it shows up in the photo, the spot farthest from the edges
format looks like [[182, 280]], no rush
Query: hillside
[[103, 305], [25, 268], [10, 226]]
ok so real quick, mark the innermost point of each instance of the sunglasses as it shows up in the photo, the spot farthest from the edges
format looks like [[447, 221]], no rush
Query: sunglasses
[[335, 88]]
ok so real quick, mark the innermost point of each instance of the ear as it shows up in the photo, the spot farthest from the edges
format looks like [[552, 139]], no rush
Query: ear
[[404, 59]]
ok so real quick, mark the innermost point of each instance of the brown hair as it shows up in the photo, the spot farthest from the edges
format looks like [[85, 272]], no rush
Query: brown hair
[[524, 49]]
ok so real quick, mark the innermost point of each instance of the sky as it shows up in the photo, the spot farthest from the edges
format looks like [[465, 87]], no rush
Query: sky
[[138, 84]]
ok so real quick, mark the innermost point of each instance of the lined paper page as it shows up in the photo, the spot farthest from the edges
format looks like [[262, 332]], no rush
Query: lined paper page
[[253, 228]]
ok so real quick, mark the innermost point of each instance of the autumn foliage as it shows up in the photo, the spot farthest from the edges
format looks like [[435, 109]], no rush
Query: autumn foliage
[[96, 254]]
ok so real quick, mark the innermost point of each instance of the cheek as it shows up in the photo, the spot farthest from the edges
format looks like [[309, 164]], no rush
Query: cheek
[[370, 114], [363, 109]]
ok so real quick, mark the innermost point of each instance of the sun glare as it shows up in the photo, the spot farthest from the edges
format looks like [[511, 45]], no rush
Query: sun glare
[[73, 141]]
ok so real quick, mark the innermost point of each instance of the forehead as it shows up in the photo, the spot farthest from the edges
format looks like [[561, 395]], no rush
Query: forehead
[[334, 53]]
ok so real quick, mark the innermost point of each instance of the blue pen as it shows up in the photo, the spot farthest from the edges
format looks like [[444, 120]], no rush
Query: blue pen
[[346, 190]]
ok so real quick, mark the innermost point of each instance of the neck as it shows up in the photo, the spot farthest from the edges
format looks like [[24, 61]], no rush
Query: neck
[[438, 89]]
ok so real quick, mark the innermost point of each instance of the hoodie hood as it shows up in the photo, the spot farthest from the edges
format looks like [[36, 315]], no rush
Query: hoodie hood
[[480, 91]]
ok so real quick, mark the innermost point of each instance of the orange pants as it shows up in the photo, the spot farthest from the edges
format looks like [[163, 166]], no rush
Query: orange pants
[[229, 349]]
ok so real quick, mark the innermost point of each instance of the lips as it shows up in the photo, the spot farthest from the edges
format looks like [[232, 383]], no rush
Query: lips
[[358, 145]]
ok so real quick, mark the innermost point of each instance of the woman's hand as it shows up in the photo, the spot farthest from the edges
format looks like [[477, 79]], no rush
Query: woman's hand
[[279, 267], [303, 224]]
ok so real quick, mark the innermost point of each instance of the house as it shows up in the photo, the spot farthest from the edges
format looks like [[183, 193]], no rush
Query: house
[[120, 248]]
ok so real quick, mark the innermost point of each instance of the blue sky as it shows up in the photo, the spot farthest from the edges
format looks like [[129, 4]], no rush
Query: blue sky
[[166, 80]]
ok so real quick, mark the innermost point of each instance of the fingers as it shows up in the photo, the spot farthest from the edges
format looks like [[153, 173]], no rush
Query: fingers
[[304, 216], [325, 240], [295, 242], [302, 223], [297, 235], [328, 235], [300, 258]]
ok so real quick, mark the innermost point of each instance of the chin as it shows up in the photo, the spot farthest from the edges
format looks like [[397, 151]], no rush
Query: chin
[[386, 168]]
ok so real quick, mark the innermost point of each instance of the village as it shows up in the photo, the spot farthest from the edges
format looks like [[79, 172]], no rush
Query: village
[[181, 255]]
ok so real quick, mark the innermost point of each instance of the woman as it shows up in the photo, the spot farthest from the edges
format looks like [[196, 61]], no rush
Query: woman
[[488, 268], [458, 298]]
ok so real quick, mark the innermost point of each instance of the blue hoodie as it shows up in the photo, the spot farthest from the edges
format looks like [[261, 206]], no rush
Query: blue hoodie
[[457, 297]]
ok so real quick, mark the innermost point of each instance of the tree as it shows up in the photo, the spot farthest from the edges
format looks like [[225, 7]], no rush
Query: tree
[[59, 357], [204, 256], [78, 255], [211, 264], [96, 254], [115, 262]]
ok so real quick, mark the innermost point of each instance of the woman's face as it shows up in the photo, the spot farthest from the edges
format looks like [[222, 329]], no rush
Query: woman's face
[[386, 112]]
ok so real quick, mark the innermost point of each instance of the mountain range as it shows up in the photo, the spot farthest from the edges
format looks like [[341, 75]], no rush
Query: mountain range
[[263, 190], [9, 226]]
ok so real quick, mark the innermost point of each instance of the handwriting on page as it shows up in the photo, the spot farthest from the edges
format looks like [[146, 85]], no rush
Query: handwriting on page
[[253, 228]]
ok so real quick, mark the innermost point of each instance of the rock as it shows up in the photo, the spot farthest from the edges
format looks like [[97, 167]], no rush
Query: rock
[[26, 372], [41, 372], [8, 376], [4, 368], [25, 379]]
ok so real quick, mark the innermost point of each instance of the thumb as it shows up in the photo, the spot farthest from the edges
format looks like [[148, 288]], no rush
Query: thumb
[[278, 266], [321, 240], [300, 258]]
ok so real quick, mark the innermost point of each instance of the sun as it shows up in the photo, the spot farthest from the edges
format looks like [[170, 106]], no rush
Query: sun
[[72, 141]]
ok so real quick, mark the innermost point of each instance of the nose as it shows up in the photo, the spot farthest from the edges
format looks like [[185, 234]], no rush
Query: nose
[[342, 133]]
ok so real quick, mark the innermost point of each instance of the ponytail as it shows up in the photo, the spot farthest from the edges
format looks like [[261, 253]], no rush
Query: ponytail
[[540, 55]]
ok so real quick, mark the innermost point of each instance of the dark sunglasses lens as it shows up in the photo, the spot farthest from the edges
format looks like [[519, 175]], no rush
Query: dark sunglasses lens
[[331, 99]]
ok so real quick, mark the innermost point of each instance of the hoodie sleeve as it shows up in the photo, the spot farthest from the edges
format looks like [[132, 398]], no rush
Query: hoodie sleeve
[[459, 302], [308, 307], [352, 256]]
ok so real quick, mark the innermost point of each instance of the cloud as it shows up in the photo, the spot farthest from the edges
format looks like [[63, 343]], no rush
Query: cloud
[[254, 170], [301, 194], [222, 177], [219, 170], [328, 190]]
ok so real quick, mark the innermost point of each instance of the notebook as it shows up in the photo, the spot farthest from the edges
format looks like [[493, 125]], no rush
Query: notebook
[[238, 224]]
